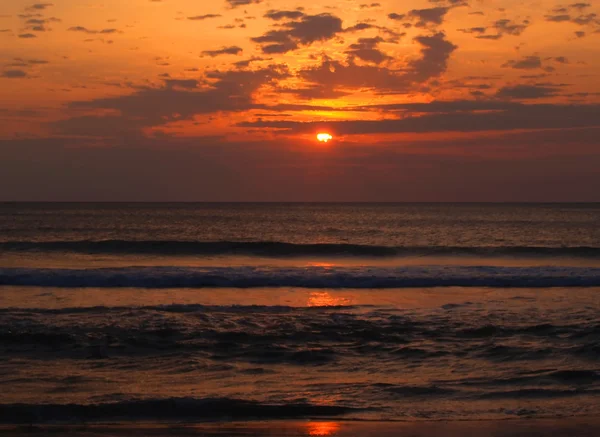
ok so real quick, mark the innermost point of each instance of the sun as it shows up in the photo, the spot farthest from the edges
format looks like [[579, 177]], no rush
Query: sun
[[324, 137]]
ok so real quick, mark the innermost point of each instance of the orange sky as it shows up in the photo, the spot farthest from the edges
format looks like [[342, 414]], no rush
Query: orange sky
[[186, 100]]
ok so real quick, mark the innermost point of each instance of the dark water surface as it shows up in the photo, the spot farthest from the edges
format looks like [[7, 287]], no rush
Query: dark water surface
[[242, 311]]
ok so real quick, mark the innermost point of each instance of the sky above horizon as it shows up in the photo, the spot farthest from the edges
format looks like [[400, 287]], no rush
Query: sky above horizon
[[186, 100]]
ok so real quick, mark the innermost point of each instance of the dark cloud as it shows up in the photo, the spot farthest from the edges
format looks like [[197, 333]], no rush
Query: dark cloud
[[232, 50], [360, 26], [435, 52], [391, 35], [502, 27], [451, 2], [490, 37], [237, 3], [524, 92], [39, 6], [430, 16], [27, 35], [39, 24], [281, 15], [176, 101], [457, 116], [13, 74], [20, 62], [181, 83], [368, 6], [366, 49], [314, 92], [92, 31], [573, 14], [527, 63], [203, 17], [477, 30], [245, 63], [509, 27], [397, 17], [292, 34], [558, 18], [580, 5], [584, 20]]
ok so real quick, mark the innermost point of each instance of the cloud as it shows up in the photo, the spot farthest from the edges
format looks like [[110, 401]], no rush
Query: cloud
[[20, 62], [39, 24], [39, 6], [314, 92], [558, 18], [477, 30], [509, 27], [580, 5], [181, 83], [369, 6], [237, 3], [27, 35], [521, 92], [430, 16], [396, 17], [527, 63], [13, 74], [92, 31], [280, 15], [310, 29], [435, 51], [489, 37], [232, 50], [502, 27], [366, 50], [456, 116], [434, 54], [584, 20], [245, 63], [203, 17], [360, 26], [230, 91], [573, 14]]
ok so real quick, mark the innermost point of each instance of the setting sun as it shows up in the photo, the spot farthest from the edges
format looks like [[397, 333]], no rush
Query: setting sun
[[324, 138]]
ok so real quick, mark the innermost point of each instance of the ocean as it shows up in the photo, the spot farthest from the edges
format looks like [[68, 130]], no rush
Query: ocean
[[347, 312]]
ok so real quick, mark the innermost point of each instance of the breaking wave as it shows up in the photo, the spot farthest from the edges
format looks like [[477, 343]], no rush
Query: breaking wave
[[282, 249]]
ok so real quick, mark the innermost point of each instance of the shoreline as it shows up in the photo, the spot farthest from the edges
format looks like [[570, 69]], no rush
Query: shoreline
[[583, 426]]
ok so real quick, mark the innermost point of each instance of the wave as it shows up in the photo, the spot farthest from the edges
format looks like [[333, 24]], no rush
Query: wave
[[165, 409], [304, 277], [282, 249]]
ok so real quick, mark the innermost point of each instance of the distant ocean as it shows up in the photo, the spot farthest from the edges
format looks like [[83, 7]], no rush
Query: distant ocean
[[128, 312]]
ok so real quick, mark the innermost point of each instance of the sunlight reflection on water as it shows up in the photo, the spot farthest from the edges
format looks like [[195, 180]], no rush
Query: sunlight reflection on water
[[323, 428], [326, 299]]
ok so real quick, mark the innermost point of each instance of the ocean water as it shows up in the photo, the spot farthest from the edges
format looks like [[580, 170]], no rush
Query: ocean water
[[203, 312]]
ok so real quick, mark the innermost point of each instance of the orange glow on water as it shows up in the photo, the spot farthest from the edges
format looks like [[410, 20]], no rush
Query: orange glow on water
[[325, 299]]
